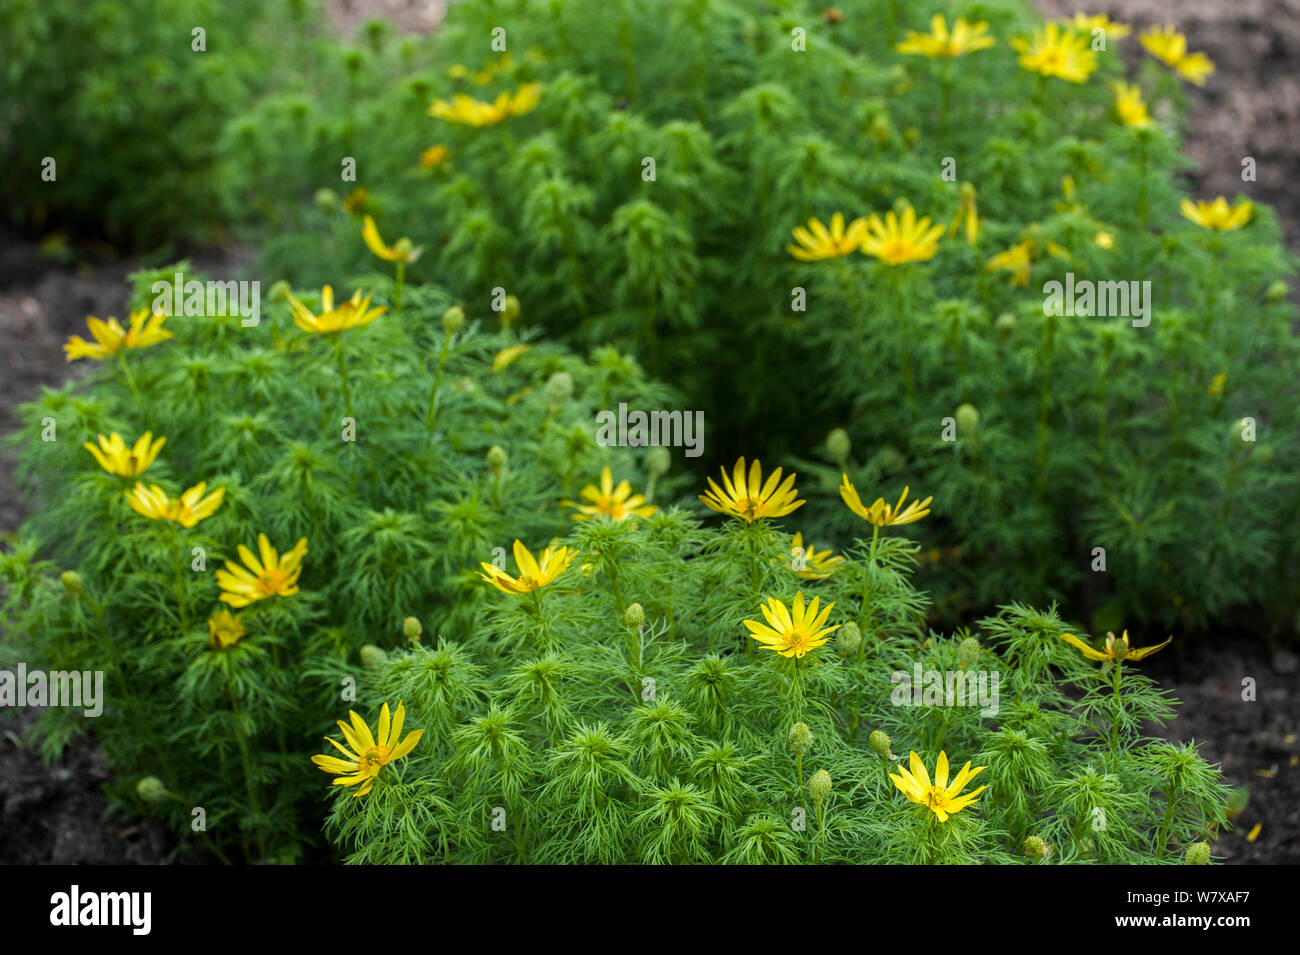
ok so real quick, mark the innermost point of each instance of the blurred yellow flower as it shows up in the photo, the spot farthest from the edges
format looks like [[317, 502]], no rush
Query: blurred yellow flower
[[1115, 649], [507, 355], [1216, 385], [110, 337], [1017, 260], [273, 575], [186, 510], [1053, 51], [402, 251], [940, 42], [898, 240], [618, 503], [116, 458], [941, 797], [1104, 240], [795, 631], [967, 212], [534, 573], [468, 111], [433, 156], [353, 313], [1128, 104], [224, 630], [751, 499], [1218, 214], [1170, 47], [367, 754], [816, 242], [1088, 22], [880, 513]]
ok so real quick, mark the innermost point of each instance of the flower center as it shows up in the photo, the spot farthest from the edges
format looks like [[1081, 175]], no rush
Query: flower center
[[270, 581]]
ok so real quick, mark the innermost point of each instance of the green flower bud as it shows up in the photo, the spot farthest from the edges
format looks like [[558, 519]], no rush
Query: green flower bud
[[801, 738], [327, 200], [968, 652], [1277, 292], [880, 744], [151, 789], [411, 629], [373, 656], [510, 314], [968, 419], [496, 459], [453, 320], [1198, 853], [658, 461], [880, 129], [71, 581], [838, 444], [1036, 848], [848, 639], [819, 787], [559, 388], [1004, 323], [634, 616]]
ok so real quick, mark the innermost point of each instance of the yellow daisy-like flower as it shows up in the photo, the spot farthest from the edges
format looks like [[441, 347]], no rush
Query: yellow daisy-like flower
[[792, 632], [816, 564], [1053, 51], [224, 630], [508, 355], [1170, 47], [1017, 260], [273, 575], [186, 510], [1116, 649], [367, 754], [816, 242], [110, 337], [533, 573], [1128, 104], [468, 111], [353, 313], [116, 458], [752, 499], [433, 156], [882, 514], [942, 798], [1087, 22], [618, 503], [522, 101], [1218, 214], [897, 240], [940, 42], [402, 251]]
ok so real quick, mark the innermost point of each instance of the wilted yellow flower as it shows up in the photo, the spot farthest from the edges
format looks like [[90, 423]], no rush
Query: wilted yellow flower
[[186, 510], [1115, 649], [1088, 22], [1170, 47], [1128, 104], [816, 564], [433, 156], [1053, 51], [353, 313], [816, 242], [110, 337], [898, 240], [273, 575], [967, 212], [402, 251], [618, 503], [367, 754], [880, 513], [751, 499], [1218, 214], [534, 573], [116, 458], [941, 798], [940, 42], [792, 632], [507, 355], [224, 630]]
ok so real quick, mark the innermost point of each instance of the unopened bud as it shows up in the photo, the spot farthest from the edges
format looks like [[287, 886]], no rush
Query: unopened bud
[[819, 787], [151, 789], [411, 629], [1036, 848], [71, 581], [327, 200], [453, 320], [880, 129], [373, 656], [848, 639], [496, 459], [658, 461], [968, 419], [1277, 292], [880, 744], [559, 388], [634, 616], [1004, 323], [801, 738], [1198, 853], [968, 652], [838, 444], [510, 314]]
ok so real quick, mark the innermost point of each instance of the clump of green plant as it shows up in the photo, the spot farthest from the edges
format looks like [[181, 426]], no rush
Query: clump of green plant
[[662, 690], [232, 516]]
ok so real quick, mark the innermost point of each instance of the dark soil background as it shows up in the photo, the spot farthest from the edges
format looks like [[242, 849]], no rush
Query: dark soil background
[[1250, 107]]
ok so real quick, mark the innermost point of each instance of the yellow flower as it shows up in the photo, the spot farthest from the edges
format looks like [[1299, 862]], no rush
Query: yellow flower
[[939, 42], [751, 500], [507, 355], [1053, 51], [403, 251], [1116, 649], [967, 212], [817, 564], [792, 632], [353, 313], [273, 575], [1104, 240], [116, 458], [468, 111], [1170, 47], [367, 754], [816, 242], [1128, 104], [618, 503], [110, 337], [533, 573], [1218, 214], [224, 630], [1216, 385], [1017, 260], [1087, 22], [941, 798], [896, 240], [433, 156], [186, 510], [882, 514]]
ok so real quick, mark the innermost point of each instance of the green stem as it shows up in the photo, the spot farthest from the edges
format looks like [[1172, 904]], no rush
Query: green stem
[[253, 802], [397, 295], [343, 373]]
